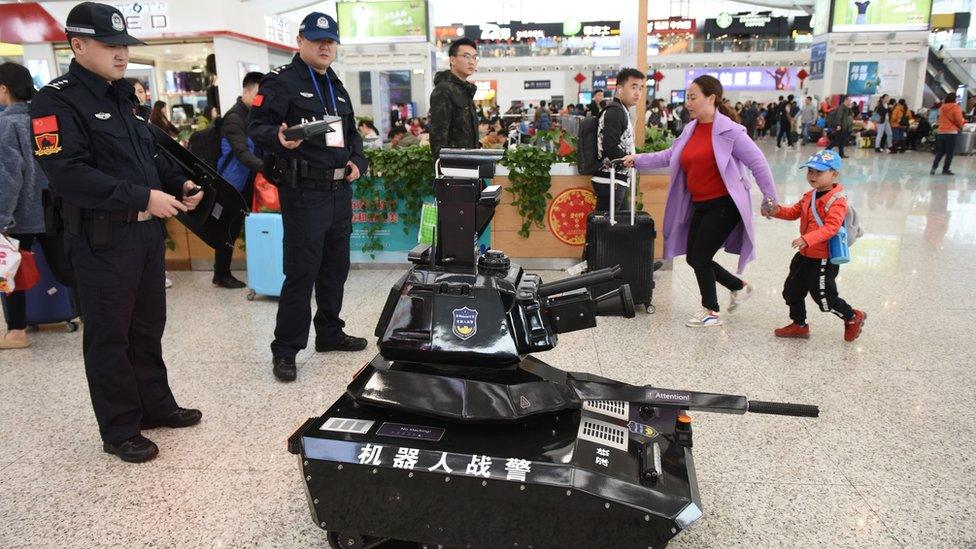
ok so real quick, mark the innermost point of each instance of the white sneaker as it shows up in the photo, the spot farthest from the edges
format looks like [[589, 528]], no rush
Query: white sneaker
[[169, 282], [740, 297], [704, 319]]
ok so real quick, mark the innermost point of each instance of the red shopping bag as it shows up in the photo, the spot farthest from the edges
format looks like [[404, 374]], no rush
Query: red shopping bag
[[27, 274], [265, 196]]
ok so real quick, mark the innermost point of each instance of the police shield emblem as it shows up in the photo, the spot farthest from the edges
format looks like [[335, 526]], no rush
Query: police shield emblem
[[465, 322]]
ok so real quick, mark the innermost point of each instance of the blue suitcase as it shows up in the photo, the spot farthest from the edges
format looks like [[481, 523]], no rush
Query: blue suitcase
[[48, 302], [264, 234]]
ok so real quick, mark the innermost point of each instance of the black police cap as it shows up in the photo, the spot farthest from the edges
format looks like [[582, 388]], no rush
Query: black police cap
[[101, 22]]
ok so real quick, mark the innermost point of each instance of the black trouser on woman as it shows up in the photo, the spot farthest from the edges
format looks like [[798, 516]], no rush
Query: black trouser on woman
[[711, 224], [945, 145], [784, 131], [818, 277]]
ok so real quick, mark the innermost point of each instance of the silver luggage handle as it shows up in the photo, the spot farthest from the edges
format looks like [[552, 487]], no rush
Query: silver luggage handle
[[632, 180]]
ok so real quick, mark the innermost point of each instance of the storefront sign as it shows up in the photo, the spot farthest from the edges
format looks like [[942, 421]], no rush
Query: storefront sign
[[450, 32], [747, 24], [278, 29], [671, 26], [752, 78], [517, 30], [537, 84], [145, 16], [567, 215]]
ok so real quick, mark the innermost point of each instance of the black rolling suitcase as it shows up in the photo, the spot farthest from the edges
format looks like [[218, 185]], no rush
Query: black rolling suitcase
[[625, 239]]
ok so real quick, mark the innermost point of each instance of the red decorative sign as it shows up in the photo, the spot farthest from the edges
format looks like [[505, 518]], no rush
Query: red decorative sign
[[657, 76], [579, 78], [567, 215]]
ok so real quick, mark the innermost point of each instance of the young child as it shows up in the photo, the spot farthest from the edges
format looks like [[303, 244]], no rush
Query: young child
[[811, 270]]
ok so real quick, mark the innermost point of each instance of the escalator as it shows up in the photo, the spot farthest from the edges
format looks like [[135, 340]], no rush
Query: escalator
[[944, 74]]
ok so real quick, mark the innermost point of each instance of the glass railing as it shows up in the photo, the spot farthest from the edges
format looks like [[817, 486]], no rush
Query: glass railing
[[606, 48], [952, 41]]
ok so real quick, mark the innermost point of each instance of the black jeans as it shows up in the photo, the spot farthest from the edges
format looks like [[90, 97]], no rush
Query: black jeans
[[317, 227], [817, 277], [602, 192], [711, 224], [122, 293], [223, 256], [16, 302], [945, 145], [784, 131], [838, 139]]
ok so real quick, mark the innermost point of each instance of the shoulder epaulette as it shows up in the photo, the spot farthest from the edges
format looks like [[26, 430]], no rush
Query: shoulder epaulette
[[60, 83]]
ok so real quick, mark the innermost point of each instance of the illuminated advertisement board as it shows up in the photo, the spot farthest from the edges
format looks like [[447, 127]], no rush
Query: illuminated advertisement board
[[383, 21], [881, 15]]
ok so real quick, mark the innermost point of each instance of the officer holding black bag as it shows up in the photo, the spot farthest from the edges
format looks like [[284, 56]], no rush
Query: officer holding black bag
[[313, 177], [110, 189]]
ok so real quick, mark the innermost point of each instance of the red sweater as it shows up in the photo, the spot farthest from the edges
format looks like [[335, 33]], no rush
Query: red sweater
[[813, 234], [702, 177]]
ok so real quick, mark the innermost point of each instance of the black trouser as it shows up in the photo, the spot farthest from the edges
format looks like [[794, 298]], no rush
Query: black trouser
[[223, 256], [123, 300], [838, 139], [16, 301], [602, 192], [317, 227], [945, 145], [817, 277], [711, 225], [784, 131]]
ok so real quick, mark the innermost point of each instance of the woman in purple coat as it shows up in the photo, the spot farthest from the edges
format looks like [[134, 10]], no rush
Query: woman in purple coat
[[709, 204]]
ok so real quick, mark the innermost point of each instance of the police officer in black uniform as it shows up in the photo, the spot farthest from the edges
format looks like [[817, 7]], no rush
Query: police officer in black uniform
[[313, 177], [112, 188]]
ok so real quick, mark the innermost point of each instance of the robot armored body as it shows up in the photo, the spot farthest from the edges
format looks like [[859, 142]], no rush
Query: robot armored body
[[454, 435]]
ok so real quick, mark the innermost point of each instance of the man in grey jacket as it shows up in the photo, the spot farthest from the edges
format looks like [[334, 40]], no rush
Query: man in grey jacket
[[808, 115], [239, 167]]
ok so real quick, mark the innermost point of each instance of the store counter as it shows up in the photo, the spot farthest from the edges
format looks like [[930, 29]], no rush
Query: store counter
[[560, 243]]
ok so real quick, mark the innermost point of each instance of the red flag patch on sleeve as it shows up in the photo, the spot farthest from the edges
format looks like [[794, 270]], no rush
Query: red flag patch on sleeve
[[258, 100], [45, 124]]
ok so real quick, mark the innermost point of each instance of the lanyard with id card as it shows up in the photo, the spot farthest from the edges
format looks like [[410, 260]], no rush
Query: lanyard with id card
[[335, 138]]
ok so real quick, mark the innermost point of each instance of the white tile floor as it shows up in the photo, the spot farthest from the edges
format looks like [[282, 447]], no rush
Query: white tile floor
[[891, 462]]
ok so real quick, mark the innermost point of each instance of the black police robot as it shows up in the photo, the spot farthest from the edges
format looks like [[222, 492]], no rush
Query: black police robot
[[454, 435]]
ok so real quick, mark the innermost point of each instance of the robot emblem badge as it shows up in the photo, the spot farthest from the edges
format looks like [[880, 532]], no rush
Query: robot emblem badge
[[465, 322]]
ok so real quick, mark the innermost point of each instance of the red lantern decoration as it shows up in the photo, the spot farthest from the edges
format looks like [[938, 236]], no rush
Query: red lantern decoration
[[657, 76], [802, 75]]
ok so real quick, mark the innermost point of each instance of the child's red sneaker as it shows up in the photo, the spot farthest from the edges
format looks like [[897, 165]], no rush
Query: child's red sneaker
[[794, 330], [852, 327]]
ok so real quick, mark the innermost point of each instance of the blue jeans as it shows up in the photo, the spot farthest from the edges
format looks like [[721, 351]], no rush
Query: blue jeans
[[898, 140], [884, 129], [805, 131]]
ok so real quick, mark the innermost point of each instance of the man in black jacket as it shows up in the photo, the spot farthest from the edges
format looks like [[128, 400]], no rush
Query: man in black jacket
[[453, 116], [615, 137], [240, 168]]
